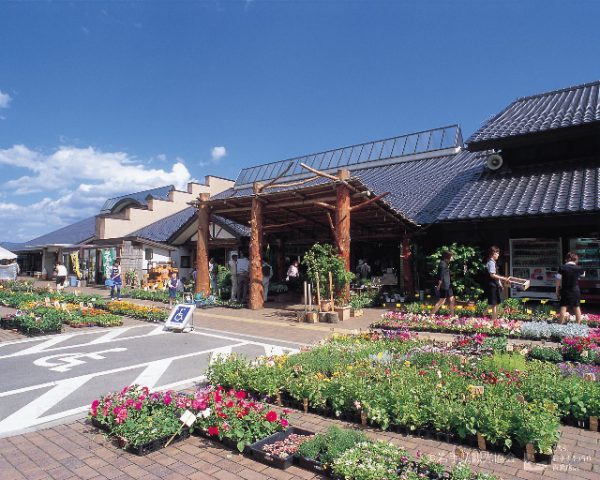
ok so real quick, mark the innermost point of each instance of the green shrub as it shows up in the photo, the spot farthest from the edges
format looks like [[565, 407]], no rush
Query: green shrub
[[546, 354], [326, 447]]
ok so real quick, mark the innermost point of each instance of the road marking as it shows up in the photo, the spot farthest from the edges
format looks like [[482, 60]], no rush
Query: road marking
[[249, 342], [272, 350], [79, 345], [44, 345], [107, 337], [92, 332], [152, 373], [158, 331], [23, 417], [66, 361], [251, 336], [222, 352], [114, 370]]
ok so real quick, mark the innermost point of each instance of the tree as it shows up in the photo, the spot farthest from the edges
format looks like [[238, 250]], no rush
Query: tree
[[322, 259], [465, 269]]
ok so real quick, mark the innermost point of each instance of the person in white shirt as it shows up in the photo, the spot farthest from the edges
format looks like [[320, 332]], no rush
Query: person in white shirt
[[495, 281], [61, 275], [243, 271], [233, 268], [293, 276]]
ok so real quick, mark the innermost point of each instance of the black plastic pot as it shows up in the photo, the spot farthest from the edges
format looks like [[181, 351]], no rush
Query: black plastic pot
[[257, 452], [314, 466], [154, 445]]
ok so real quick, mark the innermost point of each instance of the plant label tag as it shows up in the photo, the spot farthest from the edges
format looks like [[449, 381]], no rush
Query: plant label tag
[[509, 348], [90, 304], [47, 301], [63, 306], [594, 424], [481, 442], [590, 376], [56, 304], [188, 418], [76, 293], [81, 305]]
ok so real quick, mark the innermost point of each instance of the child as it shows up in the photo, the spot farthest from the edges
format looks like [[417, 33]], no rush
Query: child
[[172, 286]]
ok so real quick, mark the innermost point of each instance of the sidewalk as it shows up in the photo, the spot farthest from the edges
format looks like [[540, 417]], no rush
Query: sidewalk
[[79, 451]]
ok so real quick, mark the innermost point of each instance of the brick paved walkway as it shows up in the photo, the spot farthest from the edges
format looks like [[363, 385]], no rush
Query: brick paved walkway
[[79, 451]]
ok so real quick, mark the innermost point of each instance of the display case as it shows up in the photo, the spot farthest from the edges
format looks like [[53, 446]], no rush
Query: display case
[[588, 250], [536, 259]]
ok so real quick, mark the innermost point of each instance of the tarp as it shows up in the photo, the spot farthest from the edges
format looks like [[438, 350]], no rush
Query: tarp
[[6, 255]]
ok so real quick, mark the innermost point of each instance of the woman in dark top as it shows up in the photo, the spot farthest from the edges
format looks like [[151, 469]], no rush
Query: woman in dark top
[[567, 289], [444, 284]]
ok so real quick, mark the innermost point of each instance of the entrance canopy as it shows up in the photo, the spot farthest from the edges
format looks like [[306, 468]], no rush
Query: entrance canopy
[[300, 212]]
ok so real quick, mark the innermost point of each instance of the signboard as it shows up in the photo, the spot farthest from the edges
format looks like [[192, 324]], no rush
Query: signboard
[[536, 260], [180, 316], [108, 258]]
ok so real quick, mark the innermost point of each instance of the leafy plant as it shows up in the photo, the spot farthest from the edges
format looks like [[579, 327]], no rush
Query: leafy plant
[[465, 268], [322, 259], [326, 447]]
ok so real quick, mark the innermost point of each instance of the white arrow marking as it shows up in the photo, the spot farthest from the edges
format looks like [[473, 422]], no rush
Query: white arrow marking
[[152, 373], [44, 345], [66, 361], [107, 337], [222, 352], [27, 415]]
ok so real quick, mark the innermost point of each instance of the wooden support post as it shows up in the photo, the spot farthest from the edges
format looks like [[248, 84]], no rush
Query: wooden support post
[[202, 278], [342, 224], [281, 271], [257, 298], [406, 270]]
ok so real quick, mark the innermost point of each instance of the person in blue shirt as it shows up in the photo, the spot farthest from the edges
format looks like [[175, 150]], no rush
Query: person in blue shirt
[[115, 276], [495, 281]]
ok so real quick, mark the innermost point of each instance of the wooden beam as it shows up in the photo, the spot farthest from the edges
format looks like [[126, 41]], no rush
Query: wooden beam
[[275, 204], [281, 225], [202, 277], [319, 173], [368, 202], [287, 185], [269, 184], [324, 205], [256, 299]]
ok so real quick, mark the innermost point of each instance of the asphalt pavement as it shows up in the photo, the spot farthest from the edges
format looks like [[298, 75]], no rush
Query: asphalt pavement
[[46, 380]]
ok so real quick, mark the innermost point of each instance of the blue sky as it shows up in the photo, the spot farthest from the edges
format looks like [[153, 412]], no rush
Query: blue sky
[[101, 98]]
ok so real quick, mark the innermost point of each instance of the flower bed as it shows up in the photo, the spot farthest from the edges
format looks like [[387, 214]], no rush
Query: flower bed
[[141, 312], [510, 328], [469, 388]]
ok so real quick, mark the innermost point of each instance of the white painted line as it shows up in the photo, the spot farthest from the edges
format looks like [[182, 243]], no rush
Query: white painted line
[[38, 339], [152, 373], [251, 336], [219, 353], [271, 350], [44, 345], [114, 370], [249, 342], [24, 417], [158, 331], [79, 345], [85, 408], [107, 337]]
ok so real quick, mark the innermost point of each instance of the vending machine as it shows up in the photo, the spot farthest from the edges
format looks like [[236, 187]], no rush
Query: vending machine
[[588, 250], [535, 259]]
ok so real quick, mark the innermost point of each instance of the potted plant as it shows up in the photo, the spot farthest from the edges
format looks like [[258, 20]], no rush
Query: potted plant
[[343, 311]]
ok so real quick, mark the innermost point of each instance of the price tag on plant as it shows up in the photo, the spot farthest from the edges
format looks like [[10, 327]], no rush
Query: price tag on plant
[[187, 418], [90, 304], [509, 348], [47, 301], [56, 304]]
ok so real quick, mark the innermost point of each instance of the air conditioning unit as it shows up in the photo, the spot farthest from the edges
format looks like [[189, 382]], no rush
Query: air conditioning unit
[[494, 162]]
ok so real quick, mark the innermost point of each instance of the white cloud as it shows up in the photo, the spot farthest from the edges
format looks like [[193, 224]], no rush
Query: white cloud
[[5, 99], [217, 153], [74, 182]]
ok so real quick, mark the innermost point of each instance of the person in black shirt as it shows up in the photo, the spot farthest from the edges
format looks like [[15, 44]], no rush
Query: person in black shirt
[[444, 284], [567, 289]]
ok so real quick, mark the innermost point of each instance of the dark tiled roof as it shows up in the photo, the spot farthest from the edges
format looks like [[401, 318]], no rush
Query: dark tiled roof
[[13, 247], [163, 230], [420, 189], [139, 197], [546, 111], [73, 234], [565, 187]]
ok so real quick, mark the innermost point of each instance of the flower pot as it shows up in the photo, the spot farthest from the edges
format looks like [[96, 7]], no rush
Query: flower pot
[[311, 317], [323, 317], [326, 306], [332, 317], [257, 452], [343, 313]]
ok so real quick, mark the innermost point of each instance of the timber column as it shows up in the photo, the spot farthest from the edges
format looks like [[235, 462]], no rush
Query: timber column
[[202, 279], [257, 298], [342, 223]]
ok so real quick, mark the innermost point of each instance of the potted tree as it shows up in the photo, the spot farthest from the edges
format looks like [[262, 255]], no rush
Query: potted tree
[[326, 271]]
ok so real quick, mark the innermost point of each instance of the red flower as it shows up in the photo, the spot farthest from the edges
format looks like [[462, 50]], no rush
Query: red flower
[[422, 372], [271, 416], [229, 404], [213, 431], [240, 395], [284, 422]]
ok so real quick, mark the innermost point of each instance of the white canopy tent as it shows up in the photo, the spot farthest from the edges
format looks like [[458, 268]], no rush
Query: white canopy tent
[[6, 254]]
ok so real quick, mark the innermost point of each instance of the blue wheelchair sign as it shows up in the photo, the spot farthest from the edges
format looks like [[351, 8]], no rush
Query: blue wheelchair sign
[[180, 317]]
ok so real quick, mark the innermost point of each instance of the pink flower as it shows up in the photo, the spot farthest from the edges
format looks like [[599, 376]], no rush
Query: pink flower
[[284, 422], [138, 406], [167, 400], [240, 395], [213, 431], [271, 416]]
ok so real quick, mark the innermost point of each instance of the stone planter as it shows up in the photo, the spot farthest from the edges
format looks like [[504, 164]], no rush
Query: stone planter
[[323, 317], [343, 313], [332, 317]]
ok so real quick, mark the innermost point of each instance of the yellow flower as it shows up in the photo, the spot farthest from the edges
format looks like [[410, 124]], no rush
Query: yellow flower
[[407, 364]]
